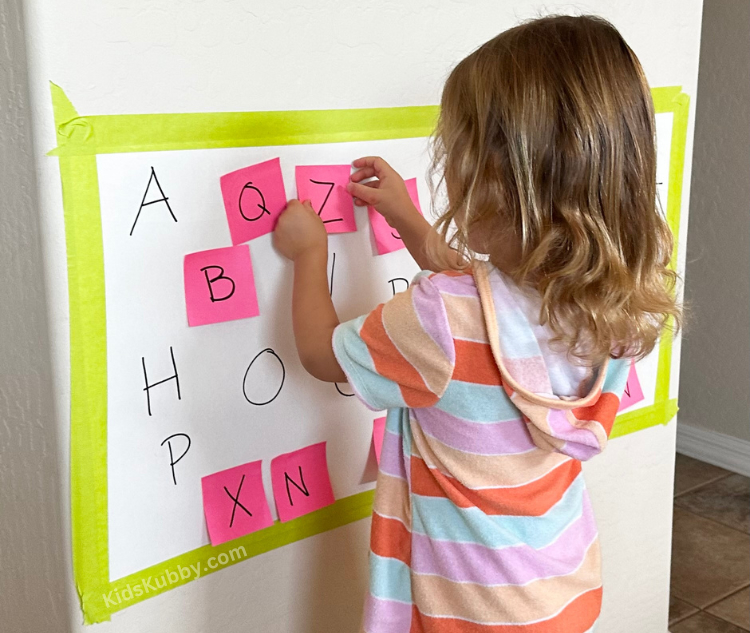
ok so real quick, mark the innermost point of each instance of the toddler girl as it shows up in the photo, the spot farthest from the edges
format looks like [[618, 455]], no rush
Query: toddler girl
[[505, 370]]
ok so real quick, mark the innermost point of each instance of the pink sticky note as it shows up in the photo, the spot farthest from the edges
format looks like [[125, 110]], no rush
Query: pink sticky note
[[219, 285], [325, 187], [378, 433], [254, 197], [633, 392], [234, 502], [300, 482], [386, 237]]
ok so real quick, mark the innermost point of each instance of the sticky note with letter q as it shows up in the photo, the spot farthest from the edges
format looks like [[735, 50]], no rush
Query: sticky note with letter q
[[386, 237], [219, 285], [254, 197], [234, 502], [325, 187], [300, 482]]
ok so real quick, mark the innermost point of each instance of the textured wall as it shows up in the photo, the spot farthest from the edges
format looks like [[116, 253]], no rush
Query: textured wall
[[33, 571], [714, 389]]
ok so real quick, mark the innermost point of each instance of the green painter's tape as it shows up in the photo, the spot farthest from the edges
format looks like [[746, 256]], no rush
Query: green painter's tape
[[79, 140]]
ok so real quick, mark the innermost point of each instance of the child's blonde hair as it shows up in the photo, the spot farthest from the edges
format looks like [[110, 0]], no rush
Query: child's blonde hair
[[547, 134]]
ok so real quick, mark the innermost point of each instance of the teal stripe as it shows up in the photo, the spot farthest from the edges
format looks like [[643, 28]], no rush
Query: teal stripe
[[477, 403], [354, 357], [390, 579], [439, 518], [617, 376]]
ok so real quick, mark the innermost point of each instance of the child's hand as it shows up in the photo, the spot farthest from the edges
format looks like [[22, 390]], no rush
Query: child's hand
[[300, 230], [387, 194]]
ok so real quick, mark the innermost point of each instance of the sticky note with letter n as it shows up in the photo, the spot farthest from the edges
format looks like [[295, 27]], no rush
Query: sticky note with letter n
[[254, 197], [300, 482], [234, 502], [219, 285]]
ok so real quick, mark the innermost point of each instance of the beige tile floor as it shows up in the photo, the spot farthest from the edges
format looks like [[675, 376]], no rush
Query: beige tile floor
[[710, 550]]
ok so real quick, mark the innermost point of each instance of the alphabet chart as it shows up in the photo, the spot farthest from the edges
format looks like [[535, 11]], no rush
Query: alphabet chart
[[196, 435]]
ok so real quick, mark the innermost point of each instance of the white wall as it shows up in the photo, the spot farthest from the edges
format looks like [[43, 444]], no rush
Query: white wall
[[171, 56], [716, 354], [34, 570]]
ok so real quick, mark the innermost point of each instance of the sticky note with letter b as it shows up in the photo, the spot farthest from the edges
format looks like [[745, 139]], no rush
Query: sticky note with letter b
[[386, 237], [219, 285], [234, 502], [300, 482], [254, 197], [325, 187]]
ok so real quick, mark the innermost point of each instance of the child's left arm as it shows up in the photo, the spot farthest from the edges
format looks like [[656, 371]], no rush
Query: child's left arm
[[301, 237]]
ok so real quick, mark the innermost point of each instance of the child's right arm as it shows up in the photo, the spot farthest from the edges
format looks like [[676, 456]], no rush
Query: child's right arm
[[387, 194]]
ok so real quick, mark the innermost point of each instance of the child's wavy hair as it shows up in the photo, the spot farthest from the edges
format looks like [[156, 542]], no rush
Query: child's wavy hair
[[546, 134]]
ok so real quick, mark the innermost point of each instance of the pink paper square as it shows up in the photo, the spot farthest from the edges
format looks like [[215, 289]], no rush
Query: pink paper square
[[378, 433], [300, 482], [386, 237], [254, 197], [633, 392], [234, 502], [325, 187], [219, 285]]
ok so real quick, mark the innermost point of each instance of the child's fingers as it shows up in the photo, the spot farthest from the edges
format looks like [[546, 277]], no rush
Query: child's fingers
[[366, 195], [375, 162], [362, 174]]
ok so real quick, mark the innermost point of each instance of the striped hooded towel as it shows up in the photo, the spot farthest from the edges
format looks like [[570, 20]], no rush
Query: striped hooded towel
[[482, 522]]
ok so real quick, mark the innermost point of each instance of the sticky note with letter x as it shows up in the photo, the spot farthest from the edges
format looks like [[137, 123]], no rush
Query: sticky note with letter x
[[219, 285], [386, 237], [300, 482], [234, 502], [254, 197], [325, 187]]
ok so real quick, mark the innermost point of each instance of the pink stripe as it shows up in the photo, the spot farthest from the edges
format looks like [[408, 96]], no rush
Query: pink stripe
[[507, 437], [468, 562], [392, 455], [387, 616], [430, 311], [463, 286], [563, 429]]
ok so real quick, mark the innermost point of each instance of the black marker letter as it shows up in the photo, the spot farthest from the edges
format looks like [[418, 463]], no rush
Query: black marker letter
[[268, 350], [211, 280], [237, 501], [303, 488], [253, 191], [393, 283], [163, 199], [172, 460], [174, 377]]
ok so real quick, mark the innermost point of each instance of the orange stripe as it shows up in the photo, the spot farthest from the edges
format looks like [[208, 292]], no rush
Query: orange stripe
[[475, 363], [532, 499], [603, 411], [390, 538], [391, 364], [577, 617]]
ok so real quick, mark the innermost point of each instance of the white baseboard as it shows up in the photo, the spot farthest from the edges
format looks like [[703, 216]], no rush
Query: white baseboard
[[715, 448]]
